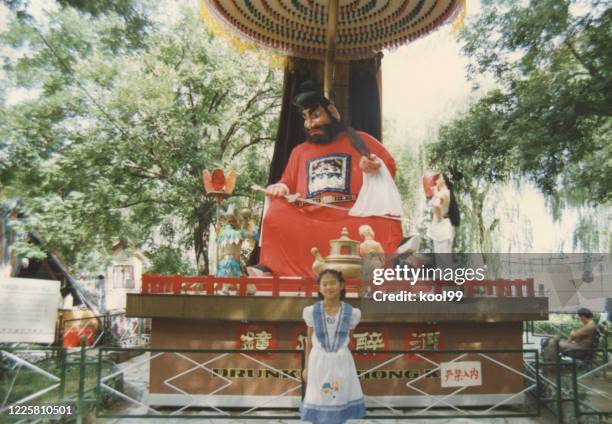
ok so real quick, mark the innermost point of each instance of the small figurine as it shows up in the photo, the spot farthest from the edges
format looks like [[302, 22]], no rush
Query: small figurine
[[372, 253], [229, 242], [446, 215]]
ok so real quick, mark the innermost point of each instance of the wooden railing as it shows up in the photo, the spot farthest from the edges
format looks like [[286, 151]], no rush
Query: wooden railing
[[292, 286]]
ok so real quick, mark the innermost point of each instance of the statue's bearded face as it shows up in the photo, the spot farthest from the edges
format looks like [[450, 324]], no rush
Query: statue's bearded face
[[319, 126]]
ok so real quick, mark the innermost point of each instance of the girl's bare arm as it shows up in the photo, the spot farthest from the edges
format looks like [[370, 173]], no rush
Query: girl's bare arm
[[307, 350]]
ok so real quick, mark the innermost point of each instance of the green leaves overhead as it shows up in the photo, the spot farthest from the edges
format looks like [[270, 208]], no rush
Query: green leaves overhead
[[554, 108], [549, 121], [115, 142]]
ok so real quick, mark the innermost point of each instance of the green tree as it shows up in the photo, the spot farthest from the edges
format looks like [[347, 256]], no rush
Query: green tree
[[553, 62], [169, 260], [114, 145], [130, 12], [549, 121]]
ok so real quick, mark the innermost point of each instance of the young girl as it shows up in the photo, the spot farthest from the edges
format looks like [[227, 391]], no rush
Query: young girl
[[333, 392]]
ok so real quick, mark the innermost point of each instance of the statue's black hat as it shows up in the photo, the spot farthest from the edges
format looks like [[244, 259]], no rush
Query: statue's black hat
[[310, 95]]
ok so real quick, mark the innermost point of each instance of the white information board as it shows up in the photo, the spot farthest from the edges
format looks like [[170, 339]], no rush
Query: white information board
[[461, 374], [28, 310]]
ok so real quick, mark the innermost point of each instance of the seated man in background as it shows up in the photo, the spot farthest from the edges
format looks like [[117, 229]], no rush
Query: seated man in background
[[580, 338]]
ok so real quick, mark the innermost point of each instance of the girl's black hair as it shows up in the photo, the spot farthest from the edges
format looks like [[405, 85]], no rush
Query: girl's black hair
[[453, 208], [338, 275]]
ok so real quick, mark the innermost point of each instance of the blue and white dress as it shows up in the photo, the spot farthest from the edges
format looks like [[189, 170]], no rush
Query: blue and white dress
[[333, 393]]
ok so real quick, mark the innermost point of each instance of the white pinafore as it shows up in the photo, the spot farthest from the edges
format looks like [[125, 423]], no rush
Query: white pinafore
[[333, 393]]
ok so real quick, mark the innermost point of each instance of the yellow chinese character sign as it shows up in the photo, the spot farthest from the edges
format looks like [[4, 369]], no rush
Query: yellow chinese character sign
[[369, 340], [255, 341], [256, 338]]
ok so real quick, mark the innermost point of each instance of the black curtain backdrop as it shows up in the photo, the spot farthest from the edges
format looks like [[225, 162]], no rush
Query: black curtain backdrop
[[364, 96]]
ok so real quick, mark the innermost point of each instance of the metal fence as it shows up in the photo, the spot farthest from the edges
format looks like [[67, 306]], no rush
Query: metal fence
[[592, 383], [42, 384], [517, 398], [175, 397], [31, 376], [116, 383], [578, 387]]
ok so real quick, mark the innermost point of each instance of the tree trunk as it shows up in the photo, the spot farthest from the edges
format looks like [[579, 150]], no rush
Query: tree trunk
[[201, 235], [477, 207], [481, 226]]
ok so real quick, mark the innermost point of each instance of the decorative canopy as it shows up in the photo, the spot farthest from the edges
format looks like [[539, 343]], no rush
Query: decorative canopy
[[365, 27]]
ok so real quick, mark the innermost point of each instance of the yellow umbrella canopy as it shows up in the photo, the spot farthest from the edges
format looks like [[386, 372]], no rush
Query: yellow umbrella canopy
[[365, 27]]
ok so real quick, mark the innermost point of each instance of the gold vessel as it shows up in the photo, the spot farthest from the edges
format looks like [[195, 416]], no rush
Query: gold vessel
[[343, 257]]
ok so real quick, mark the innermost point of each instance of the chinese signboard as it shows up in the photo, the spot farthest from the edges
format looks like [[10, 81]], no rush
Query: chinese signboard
[[258, 372], [28, 310], [461, 374]]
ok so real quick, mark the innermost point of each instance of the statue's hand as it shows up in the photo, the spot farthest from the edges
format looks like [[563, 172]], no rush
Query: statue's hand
[[277, 190], [371, 164]]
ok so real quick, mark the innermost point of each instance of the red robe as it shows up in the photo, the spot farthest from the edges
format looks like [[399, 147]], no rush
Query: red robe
[[289, 231]]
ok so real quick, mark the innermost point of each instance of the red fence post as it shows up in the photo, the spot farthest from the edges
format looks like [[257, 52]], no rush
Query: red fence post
[[242, 287], [176, 284], [210, 285], [145, 284], [275, 286]]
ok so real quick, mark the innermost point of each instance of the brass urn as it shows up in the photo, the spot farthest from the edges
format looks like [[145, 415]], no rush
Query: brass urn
[[343, 257]]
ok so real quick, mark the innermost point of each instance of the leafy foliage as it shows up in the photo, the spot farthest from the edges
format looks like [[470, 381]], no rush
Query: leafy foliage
[[549, 121], [114, 145], [169, 260], [135, 21], [554, 110]]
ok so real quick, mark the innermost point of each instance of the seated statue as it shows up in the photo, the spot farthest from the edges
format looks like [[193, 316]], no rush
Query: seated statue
[[329, 168]]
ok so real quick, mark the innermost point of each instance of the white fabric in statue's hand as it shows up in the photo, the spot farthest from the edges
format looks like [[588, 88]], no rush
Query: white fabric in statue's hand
[[378, 195]]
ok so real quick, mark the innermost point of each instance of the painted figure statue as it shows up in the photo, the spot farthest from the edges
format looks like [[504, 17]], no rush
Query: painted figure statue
[[229, 243]]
